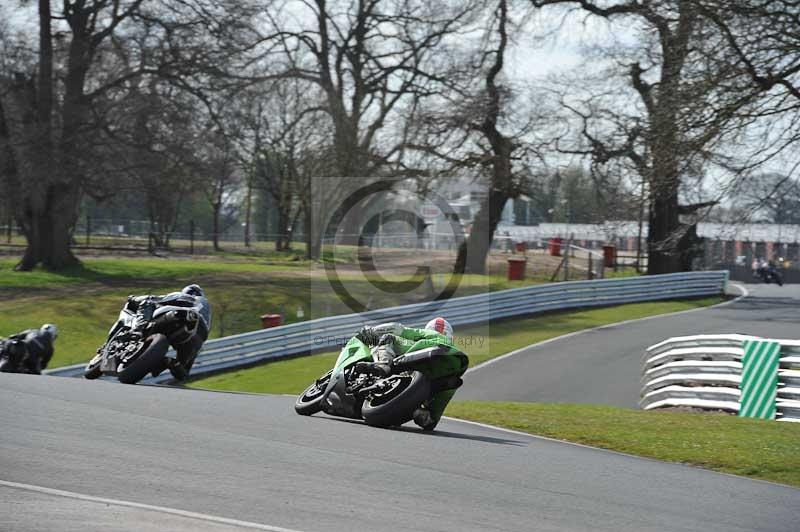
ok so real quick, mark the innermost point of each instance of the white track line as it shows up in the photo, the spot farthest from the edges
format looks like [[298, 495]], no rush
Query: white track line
[[739, 287], [129, 504]]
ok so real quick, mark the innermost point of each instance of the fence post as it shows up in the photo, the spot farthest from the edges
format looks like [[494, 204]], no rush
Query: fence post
[[88, 229], [191, 237], [566, 257], [9, 228], [589, 275]]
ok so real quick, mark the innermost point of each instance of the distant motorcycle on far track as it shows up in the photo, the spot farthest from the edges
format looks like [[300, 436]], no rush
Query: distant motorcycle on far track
[[769, 273]]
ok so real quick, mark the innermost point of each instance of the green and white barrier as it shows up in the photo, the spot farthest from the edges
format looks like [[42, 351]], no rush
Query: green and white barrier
[[759, 379], [747, 375]]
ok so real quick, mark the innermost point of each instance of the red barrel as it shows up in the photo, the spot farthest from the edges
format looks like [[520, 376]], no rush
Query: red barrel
[[555, 246], [516, 269], [609, 254], [271, 320]]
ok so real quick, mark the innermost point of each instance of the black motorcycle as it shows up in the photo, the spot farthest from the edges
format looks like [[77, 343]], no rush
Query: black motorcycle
[[770, 274], [140, 339]]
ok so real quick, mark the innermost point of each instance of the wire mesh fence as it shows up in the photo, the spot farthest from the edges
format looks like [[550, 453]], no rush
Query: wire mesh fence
[[568, 259]]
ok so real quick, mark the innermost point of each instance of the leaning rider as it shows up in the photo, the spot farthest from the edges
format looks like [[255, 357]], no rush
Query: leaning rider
[[195, 297], [29, 351], [393, 339]]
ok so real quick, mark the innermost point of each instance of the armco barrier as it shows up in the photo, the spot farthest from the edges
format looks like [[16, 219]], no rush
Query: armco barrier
[[288, 340], [705, 371]]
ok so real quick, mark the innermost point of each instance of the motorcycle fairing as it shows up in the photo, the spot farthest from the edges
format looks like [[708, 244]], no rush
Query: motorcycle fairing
[[354, 351], [336, 400]]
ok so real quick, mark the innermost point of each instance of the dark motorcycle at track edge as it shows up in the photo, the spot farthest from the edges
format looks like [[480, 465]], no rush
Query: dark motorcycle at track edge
[[770, 274], [139, 341]]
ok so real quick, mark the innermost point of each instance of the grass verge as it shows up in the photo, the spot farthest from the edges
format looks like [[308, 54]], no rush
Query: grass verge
[[294, 375], [85, 301], [766, 450], [123, 270]]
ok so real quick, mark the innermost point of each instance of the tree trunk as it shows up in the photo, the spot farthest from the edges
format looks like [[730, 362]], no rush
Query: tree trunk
[[312, 242], [663, 237], [48, 231], [247, 212], [282, 238], [664, 223], [215, 236], [472, 253], [49, 203]]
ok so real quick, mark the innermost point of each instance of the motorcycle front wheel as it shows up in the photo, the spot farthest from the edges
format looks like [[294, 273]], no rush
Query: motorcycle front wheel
[[6, 366], [310, 401], [396, 403], [92, 371], [152, 356]]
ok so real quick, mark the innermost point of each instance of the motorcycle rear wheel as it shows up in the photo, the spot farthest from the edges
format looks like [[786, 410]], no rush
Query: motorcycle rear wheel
[[310, 401], [396, 405], [151, 358]]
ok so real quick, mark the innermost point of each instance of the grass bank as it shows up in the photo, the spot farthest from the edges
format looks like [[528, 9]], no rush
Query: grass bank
[[85, 301], [294, 375], [123, 270], [766, 450]]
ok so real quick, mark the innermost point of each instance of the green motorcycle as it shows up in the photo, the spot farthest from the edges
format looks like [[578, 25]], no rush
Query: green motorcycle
[[424, 377]]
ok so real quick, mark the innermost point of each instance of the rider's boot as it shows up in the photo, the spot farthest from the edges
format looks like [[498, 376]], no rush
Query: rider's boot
[[423, 418], [382, 355], [177, 370], [379, 369]]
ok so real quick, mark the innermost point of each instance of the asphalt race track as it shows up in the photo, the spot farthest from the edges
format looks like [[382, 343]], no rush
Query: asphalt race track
[[140, 458], [603, 366], [100, 456]]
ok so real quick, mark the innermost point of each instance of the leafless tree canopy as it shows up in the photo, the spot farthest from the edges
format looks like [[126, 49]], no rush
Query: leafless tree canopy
[[229, 102]]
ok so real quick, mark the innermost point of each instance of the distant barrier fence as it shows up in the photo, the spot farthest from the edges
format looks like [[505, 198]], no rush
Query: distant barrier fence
[[137, 235], [328, 334], [706, 372]]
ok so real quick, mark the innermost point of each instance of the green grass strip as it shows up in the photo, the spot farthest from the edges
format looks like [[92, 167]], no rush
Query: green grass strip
[[119, 270], [767, 450]]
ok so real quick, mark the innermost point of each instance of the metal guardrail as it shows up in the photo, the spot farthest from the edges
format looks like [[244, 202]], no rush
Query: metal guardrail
[[330, 333], [705, 371]]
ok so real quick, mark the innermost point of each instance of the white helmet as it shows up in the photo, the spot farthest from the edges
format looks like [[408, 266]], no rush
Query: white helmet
[[441, 326], [51, 330]]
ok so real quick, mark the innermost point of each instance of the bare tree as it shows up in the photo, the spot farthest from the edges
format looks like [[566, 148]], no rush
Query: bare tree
[[54, 118], [368, 58], [772, 198], [280, 134], [222, 179], [502, 185], [470, 129], [689, 98], [763, 36], [47, 150]]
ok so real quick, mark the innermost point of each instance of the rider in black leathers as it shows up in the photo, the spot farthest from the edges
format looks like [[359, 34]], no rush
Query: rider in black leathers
[[194, 297], [28, 351]]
